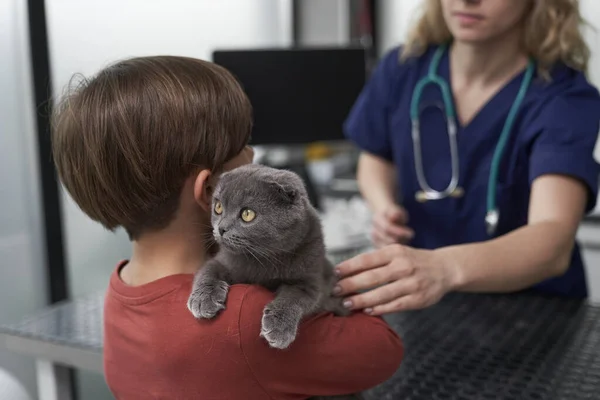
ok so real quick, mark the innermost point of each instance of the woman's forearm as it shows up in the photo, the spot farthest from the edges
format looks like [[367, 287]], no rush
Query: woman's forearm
[[377, 181], [512, 262]]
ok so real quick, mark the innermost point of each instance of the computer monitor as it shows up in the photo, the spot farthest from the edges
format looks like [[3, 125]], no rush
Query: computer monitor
[[298, 95]]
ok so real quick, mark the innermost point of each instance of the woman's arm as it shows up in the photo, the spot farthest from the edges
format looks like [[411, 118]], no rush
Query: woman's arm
[[377, 181], [538, 251], [564, 181], [404, 278]]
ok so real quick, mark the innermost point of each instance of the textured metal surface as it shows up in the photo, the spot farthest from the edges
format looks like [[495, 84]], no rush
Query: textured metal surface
[[466, 347], [75, 324], [497, 347]]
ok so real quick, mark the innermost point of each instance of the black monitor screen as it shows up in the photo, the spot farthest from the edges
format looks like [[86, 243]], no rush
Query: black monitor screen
[[298, 95]]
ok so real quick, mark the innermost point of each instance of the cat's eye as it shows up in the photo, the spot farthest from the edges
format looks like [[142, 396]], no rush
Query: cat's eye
[[248, 215], [218, 208]]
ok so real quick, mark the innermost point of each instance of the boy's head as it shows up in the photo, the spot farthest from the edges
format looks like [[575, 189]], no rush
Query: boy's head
[[126, 141]]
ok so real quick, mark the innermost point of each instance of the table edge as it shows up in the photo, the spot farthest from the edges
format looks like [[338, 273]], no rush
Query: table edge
[[87, 359]]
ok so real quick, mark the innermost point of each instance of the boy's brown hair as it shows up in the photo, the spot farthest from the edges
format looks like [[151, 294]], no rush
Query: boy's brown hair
[[125, 141]]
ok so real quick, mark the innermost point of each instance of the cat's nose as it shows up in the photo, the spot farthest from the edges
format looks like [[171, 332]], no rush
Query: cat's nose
[[222, 231]]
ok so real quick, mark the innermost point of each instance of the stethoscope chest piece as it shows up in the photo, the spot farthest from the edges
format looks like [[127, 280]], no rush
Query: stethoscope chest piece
[[491, 221]]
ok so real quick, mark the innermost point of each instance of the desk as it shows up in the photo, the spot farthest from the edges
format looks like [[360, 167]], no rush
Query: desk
[[466, 347], [500, 347], [67, 334]]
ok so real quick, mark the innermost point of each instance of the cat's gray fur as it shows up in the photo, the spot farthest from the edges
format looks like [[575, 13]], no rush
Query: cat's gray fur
[[282, 249]]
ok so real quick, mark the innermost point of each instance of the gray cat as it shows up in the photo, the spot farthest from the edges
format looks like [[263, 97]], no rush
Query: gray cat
[[268, 234]]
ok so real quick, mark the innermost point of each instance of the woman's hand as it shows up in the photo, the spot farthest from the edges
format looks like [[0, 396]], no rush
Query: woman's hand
[[389, 227], [400, 278]]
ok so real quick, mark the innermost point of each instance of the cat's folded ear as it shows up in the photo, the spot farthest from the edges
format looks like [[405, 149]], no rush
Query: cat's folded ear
[[287, 193], [287, 185]]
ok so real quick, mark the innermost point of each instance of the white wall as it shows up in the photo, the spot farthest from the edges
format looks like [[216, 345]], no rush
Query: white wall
[[22, 286], [86, 35], [324, 22], [590, 9], [395, 17]]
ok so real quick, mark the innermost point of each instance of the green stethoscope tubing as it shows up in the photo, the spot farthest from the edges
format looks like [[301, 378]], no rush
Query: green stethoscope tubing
[[432, 77]]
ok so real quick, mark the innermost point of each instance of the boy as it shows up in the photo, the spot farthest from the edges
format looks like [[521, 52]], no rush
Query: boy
[[139, 146]]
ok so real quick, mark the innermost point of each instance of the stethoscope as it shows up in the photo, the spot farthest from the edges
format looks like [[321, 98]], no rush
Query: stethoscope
[[453, 190]]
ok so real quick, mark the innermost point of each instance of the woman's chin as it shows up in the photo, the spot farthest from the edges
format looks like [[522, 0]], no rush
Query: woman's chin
[[471, 36]]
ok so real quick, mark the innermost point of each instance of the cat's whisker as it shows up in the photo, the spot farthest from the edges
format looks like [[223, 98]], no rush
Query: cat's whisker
[[202, 224], [235, 241], [257, 259], [270, 247], [261, 254], [210, 239], [269, 252], [269, 257], [210, 245], [257, 252]]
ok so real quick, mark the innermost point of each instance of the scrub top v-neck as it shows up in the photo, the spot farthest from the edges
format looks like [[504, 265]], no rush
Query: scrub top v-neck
[[555, 131]]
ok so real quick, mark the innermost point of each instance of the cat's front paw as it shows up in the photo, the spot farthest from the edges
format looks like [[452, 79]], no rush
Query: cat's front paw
[[207, 299], [336, 306], [279, 326]]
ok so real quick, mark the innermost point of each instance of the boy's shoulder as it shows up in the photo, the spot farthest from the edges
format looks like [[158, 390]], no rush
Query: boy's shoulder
[[169, 295], [149, 332], [151, 326]]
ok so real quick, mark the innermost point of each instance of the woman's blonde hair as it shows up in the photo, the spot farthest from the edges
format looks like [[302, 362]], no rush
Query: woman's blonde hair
[[551, 35]]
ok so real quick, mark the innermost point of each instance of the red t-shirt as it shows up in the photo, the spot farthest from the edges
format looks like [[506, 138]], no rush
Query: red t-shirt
[[155, 349]]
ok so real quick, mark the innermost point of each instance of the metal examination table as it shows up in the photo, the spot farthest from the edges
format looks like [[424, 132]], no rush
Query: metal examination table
[[522, 346]]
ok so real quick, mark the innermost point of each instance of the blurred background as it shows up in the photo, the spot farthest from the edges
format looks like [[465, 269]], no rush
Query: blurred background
[[50, 251]]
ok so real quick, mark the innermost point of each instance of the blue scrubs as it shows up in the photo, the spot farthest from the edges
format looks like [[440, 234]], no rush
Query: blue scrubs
[[555, 132]]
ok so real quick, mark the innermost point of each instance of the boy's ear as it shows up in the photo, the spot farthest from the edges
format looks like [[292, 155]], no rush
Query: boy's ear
[[203, 189]]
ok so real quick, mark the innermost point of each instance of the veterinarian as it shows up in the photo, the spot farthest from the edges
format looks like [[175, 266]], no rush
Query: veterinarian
[[477, 140]]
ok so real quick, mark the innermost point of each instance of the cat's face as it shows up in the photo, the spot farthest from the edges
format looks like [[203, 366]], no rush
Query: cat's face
[[260, 210]]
